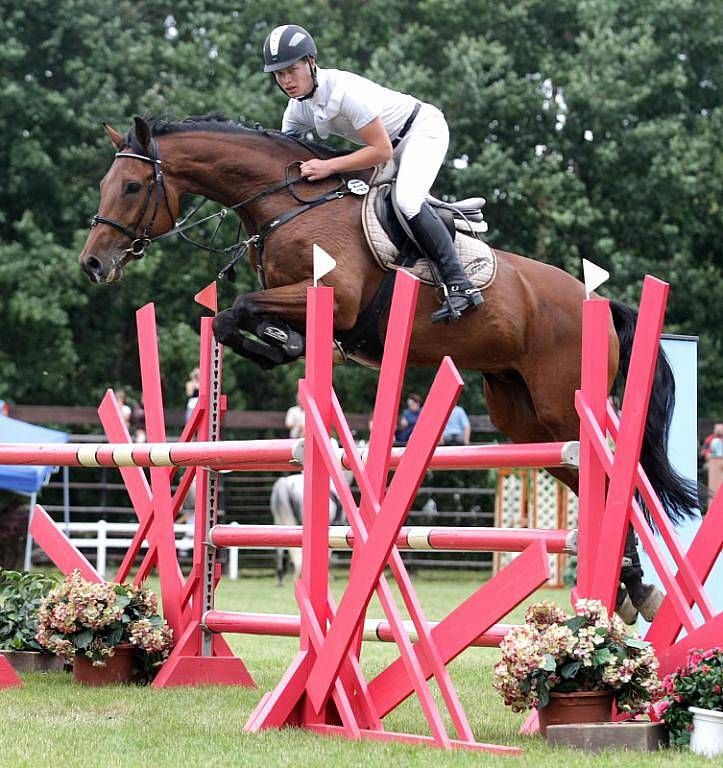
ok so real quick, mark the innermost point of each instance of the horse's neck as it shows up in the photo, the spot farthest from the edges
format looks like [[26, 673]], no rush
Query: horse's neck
[[225, 167]]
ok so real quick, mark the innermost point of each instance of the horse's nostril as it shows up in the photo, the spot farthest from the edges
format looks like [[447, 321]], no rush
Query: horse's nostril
[[92, 265]]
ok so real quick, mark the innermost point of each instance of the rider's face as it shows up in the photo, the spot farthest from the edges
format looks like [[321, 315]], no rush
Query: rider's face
[[296, 79]]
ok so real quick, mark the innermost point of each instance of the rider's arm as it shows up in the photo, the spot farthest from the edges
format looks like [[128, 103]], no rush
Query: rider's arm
[[378, 149]]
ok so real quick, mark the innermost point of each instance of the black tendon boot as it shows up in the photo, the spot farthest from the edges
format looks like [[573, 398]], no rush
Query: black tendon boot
[[647, 598], [437, 245]]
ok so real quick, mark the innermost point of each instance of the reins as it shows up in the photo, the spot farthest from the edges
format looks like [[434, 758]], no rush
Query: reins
[[142, 240]]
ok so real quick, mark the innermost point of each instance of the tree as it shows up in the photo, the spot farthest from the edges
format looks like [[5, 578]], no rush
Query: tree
[[593, 128]]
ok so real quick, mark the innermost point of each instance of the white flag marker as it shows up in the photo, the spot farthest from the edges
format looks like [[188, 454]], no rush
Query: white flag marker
[[593, 276], [323, 263]]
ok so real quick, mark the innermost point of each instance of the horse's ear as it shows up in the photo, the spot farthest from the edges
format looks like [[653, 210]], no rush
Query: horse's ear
[[143, 133], [115, 136]]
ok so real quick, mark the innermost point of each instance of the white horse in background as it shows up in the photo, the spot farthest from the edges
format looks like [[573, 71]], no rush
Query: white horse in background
[[287, 508]]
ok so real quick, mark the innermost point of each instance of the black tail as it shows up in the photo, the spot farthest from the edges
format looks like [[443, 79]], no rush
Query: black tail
[[678, 495]]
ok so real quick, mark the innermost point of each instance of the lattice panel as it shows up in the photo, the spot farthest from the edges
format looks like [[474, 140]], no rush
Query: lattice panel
[[534, 499], [510, 510], [545, 513]]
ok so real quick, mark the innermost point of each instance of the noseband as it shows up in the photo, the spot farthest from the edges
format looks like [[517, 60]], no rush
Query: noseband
[[141, 240]]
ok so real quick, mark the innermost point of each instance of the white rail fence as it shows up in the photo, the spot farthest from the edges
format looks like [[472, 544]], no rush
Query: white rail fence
[[102, 536]]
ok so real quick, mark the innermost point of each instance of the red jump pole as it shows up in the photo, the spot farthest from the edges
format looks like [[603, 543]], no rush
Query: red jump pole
[[287, 625], [410, 538], [246, 454], [500, 456]]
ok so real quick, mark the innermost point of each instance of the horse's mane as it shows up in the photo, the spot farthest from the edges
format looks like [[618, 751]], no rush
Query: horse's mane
[[217, 122]]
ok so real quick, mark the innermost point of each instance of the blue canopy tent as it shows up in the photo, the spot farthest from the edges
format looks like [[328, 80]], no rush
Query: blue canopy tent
[[26, 480]]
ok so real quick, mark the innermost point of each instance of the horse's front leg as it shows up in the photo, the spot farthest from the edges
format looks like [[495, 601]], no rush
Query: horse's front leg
[[261, 326]]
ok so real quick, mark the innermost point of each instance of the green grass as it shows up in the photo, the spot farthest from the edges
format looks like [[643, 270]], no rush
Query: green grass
[[52, 721]]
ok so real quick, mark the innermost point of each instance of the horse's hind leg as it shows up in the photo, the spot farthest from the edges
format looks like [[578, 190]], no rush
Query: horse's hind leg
[[513, 412], [552, 397], [279, 567], [646, 598]]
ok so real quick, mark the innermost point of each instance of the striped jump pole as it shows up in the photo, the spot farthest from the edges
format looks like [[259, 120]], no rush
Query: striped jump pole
[[288, 625], [420, 538], [282, 455], [243, 454]]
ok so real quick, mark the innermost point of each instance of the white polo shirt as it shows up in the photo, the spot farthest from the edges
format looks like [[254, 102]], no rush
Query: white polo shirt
[[343, 103]]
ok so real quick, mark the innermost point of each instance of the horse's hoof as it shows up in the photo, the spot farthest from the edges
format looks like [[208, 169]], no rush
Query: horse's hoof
[[625, 608], [628, 612], [651, 605]]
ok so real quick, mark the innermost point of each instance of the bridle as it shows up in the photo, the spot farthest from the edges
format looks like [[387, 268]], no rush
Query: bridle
[[141, 240]]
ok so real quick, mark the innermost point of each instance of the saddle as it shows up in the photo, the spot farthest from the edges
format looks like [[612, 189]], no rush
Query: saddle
[[390, 240]]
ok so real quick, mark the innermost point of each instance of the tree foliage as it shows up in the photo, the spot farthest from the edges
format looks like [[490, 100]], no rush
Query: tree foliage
[[593, 127]]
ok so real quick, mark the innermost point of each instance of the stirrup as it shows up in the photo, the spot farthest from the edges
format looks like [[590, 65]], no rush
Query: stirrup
[[456, 301]]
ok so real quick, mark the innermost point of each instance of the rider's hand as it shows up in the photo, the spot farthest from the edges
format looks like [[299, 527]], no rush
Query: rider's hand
[[315, 170]]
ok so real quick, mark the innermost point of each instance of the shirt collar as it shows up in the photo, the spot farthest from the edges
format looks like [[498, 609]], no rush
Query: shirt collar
[[324, 88]]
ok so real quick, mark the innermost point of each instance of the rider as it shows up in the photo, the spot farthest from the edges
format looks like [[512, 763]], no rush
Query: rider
[[387, 123]]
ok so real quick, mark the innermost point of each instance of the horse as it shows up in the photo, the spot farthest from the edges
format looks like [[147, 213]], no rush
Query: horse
[[287, 508], [525, 339]]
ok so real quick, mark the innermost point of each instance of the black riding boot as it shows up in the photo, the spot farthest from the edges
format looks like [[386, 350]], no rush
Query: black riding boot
[[436, 243]]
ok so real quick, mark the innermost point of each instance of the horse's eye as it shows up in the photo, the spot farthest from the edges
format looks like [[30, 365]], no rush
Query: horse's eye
[[131, 187]]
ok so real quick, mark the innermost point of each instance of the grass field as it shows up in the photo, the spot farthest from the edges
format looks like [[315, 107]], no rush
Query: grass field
[[52, 721]]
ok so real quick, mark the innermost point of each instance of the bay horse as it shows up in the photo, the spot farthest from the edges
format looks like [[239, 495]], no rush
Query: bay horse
[[525, 339]]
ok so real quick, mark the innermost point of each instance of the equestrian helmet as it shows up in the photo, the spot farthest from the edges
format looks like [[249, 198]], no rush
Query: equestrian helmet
[[285, 45]]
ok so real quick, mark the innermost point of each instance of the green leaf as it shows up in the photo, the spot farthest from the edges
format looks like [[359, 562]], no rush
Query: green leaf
[[543, 693], [575, 623], [602, 656], [83, 639], [569, 670], [550, 663], [634, 642]]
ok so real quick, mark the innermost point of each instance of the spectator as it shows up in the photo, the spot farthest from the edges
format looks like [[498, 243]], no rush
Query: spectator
[[408, 418], [295, 420], [716, 444], [192, 390], [707, 447], [138, 424], [125, 409], [458, 429]]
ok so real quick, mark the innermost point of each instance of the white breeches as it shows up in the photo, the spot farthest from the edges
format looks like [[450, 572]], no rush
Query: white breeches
[[419, 157]]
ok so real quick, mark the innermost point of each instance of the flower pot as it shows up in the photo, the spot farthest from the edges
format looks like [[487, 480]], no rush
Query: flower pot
[[118, 668], [576, 707], [707, 736], [34, 661]]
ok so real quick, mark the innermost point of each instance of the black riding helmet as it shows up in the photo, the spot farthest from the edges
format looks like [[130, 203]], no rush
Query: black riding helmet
[[287, 44]]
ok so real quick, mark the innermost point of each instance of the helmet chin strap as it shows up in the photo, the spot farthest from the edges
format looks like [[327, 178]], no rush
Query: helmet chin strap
[[312, 70]]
